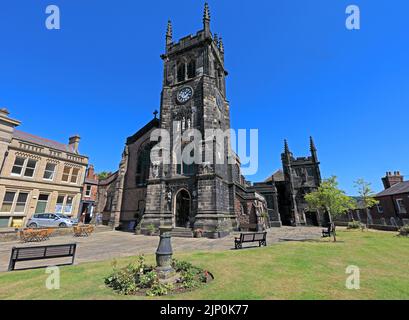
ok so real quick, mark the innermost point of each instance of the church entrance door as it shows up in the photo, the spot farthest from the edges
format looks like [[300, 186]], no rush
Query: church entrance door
[[182, 209]]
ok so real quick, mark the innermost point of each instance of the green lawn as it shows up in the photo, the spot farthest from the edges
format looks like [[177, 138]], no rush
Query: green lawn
[[291, 270]]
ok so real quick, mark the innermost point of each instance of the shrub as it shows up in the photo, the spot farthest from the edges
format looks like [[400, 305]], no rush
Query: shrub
[[355, 225], [159, 289], [181, 266], [151, 229], [139, 277], [122, 281]]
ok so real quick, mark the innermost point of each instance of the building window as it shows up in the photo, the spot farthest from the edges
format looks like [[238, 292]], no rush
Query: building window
[[18, 166], [401, 206], [143, 165], [380, 208], [42, 203], [21, 202], [66, 174], [49, 171], [181, 72], [191, 69], [74, 175], [88, 191], [60, 204], [310, 172], [8, 202], [21, 165], [30, 168], [68, 205], [70, 174], [9, 205]]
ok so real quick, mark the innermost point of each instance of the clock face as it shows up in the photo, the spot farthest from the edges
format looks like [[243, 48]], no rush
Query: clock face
[[184, 95]]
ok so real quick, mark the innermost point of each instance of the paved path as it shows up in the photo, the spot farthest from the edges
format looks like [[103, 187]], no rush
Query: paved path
[[113, 244]]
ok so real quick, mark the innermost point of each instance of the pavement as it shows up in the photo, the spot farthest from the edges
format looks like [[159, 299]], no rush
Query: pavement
[[115, 244]]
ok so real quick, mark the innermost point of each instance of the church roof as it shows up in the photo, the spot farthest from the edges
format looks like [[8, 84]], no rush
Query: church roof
[[109, 179], [28, 137], [399, 188], [148, 127], [278, 176]]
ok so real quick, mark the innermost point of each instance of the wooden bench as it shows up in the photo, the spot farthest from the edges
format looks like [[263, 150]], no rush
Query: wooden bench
[[42, 253], [330, 231], [260, 237], [83, 231]]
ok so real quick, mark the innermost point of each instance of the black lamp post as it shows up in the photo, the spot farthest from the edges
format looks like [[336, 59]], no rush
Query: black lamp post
[[164, 254]]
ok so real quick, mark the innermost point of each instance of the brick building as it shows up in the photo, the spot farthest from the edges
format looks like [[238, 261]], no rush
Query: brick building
[[37, 175], [393, 205], [89, 195]]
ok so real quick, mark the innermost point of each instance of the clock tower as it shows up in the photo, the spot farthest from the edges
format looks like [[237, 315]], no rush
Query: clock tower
[[198, 195]]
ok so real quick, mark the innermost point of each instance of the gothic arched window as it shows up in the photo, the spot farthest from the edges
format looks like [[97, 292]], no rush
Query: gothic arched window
[[143, 165], [191, 69], [181, 71]]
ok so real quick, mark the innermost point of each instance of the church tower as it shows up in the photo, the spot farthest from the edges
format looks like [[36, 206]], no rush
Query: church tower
[[198, 195]]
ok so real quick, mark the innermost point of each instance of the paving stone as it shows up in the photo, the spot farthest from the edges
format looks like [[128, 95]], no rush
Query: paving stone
[[114, 244]]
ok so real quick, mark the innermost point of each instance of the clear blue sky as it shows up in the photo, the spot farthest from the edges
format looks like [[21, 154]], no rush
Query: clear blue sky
[[295, 71]]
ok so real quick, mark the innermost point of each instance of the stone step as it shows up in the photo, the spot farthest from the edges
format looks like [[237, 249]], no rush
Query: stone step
[[182, 233]]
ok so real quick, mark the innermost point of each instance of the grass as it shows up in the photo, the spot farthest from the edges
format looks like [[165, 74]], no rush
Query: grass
[[291, 270]]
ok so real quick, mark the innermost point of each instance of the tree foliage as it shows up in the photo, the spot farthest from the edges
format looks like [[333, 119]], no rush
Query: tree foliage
[[330, 198], [366, 194], [103, 175]]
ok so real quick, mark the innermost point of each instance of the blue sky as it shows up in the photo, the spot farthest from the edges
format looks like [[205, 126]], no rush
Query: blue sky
[[294, 71]]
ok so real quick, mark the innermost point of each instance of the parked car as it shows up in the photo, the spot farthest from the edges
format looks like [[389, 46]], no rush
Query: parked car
[[50, 220], [74, 221]]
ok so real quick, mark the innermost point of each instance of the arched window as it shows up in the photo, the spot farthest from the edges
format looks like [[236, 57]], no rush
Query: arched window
[[181, 71], [191, 69], [143, 165], [186, 169]]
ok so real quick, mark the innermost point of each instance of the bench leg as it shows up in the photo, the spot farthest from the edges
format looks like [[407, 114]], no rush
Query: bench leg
[[12, 265], [239, 245]]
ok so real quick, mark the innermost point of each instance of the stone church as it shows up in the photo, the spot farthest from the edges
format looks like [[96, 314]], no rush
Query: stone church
[[210, 197]]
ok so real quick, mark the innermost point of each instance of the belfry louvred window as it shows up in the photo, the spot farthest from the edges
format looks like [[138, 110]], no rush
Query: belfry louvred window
[[191, 69], [181, 71]]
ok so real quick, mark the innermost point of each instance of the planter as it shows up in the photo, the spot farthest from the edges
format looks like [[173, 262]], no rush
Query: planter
[[198, 233]]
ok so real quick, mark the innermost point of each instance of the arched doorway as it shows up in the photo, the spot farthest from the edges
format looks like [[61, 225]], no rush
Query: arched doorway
[[182, 209]]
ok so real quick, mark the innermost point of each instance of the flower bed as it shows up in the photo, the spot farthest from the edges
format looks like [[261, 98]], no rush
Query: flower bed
[[141, 279]]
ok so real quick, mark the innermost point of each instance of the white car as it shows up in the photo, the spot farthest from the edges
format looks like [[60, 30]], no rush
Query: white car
[[50, 220]]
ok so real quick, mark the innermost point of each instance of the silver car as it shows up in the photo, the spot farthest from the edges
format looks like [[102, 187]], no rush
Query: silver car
[[50, 220]]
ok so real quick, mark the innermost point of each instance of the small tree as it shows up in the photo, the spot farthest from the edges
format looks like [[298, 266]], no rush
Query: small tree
[[331, 199], [103, 175], [367, 200]]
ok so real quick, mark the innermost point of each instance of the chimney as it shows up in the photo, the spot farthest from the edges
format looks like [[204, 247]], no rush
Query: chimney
[[74, 142], [91, 172], [392, 179]]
